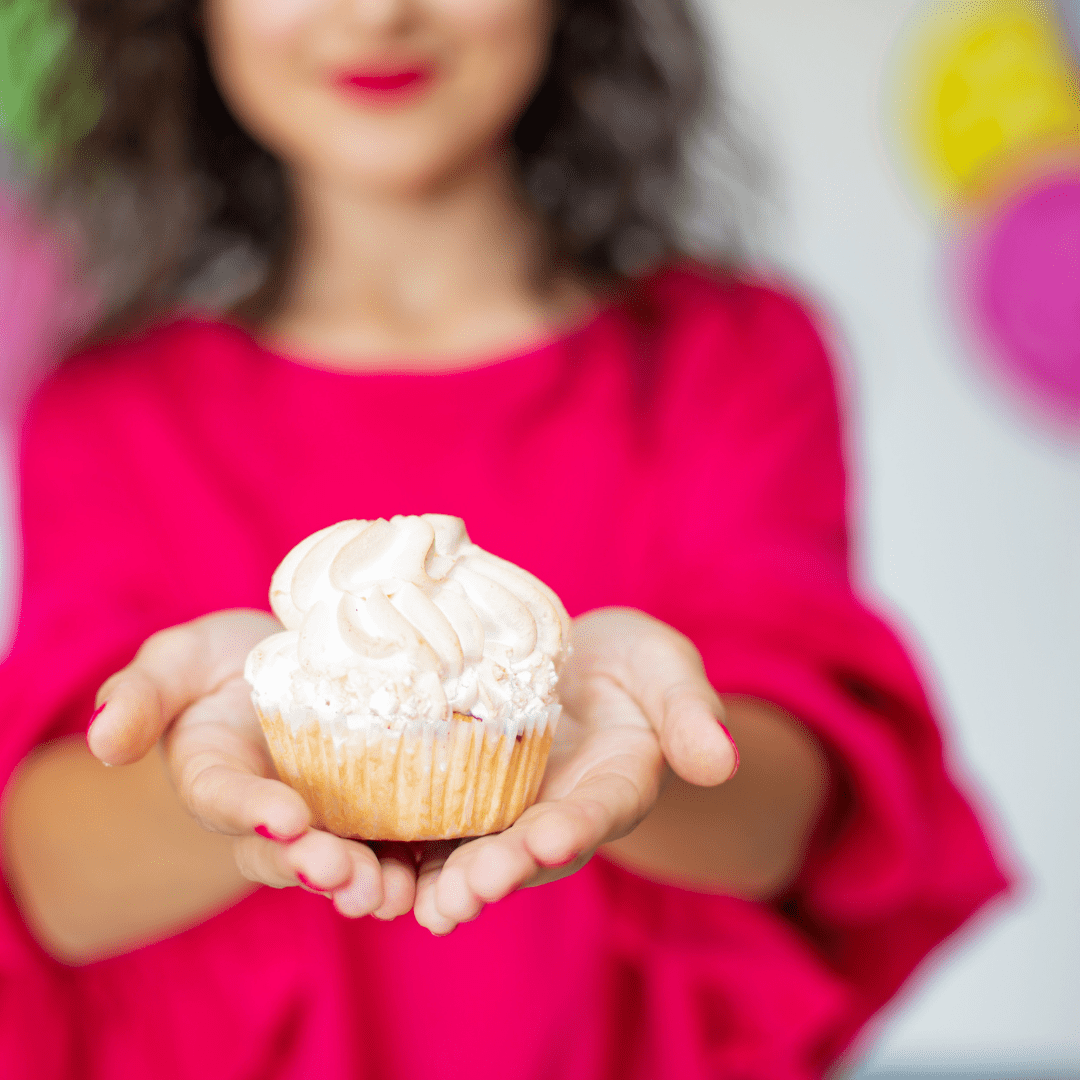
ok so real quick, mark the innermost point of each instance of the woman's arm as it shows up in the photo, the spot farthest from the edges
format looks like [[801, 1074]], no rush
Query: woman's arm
[[746, 837], [101, 860], [638, 769]]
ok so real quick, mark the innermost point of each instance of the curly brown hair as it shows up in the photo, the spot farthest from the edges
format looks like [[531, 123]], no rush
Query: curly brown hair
[[175, 201]]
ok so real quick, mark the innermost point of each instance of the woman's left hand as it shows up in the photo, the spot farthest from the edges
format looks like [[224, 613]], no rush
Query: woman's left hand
[[637, 707]]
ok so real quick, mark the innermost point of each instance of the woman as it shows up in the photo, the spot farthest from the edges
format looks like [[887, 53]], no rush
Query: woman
[[475, 303]]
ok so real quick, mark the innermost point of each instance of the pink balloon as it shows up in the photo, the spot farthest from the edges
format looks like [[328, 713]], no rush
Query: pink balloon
[[40, 305], [1025, 287]]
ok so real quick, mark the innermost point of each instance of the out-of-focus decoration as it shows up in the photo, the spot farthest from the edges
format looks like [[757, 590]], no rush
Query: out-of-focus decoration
[[41, 307], [984, 83], [34, 38], [1023, 285], [989, 101]]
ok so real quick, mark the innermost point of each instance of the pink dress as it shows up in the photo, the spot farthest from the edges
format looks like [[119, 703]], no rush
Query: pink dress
[[681, 456]]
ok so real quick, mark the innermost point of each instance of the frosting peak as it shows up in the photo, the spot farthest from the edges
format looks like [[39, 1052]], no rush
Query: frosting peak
[[410, 610]]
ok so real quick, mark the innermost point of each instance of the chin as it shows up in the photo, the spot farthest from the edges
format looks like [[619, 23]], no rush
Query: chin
[[398, 172]]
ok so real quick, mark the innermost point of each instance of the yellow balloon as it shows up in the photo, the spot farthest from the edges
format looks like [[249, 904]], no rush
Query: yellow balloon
[[986, 84]]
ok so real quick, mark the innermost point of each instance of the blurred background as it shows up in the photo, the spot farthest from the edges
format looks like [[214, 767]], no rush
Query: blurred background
[[926, 162], [896, 128]]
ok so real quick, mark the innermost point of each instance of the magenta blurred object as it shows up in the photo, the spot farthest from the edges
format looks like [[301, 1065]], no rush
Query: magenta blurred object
[[41, 307], [1024, 282]]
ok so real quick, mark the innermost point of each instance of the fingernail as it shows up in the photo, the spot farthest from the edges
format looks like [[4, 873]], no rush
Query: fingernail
[[302, 878], [565, 862], [263, 831], [733, 747]]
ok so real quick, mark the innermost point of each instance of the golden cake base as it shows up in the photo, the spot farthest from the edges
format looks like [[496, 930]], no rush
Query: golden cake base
[[462, 777]]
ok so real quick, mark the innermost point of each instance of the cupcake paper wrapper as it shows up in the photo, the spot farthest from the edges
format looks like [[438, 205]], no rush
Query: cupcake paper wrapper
[[421, 782]]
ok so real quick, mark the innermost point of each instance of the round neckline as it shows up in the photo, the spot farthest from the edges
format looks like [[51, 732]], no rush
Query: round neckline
[[483, 365]]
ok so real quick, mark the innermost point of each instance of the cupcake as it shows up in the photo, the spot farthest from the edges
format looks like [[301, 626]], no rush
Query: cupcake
[[412, 695]]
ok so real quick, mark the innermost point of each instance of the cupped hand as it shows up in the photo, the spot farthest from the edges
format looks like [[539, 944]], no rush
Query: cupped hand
[[185, 690], [637, 707]]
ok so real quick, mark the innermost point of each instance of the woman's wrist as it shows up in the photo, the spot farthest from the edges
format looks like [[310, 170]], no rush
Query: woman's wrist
[[101, 860]]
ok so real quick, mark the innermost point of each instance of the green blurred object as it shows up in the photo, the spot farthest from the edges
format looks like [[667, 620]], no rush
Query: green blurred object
[[35, 36]]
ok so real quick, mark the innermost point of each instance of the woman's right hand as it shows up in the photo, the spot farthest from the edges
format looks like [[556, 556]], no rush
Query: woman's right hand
[[185, 691]]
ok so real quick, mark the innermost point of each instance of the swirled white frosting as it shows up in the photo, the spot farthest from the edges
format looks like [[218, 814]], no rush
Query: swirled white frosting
[[396, 621]]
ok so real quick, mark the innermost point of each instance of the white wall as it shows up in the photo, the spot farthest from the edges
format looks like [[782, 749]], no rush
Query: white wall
[[969, 509]]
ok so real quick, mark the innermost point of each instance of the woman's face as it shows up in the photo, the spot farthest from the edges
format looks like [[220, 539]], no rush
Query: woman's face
[[387, 95]]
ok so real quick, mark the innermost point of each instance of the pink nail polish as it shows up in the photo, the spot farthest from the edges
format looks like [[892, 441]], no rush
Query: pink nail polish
[[304, 881], [733, 747], [565, 862], [95, 714], [263, 831]]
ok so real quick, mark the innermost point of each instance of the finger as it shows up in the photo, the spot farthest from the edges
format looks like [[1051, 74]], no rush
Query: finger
[[224, 779], [227, 799], [398, 880], [316, 861], [425, 910], [693, 737], [172, 669], [130, 721], [364, 893], [344, 870], [479, 872], [663, 673], [550, 841]]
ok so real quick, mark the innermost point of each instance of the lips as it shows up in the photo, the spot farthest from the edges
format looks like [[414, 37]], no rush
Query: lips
[[384, 83]]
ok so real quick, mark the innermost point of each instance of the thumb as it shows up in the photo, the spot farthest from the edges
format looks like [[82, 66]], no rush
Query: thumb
[[663, 672], [690, 722], [173, 669]]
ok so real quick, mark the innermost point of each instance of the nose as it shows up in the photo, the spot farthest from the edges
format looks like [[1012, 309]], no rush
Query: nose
[[382, 14]]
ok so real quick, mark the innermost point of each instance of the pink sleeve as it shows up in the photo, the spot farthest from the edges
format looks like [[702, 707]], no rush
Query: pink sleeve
[[756, 573], [85, 605]]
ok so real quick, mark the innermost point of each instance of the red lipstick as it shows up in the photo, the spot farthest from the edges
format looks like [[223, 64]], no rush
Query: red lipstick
[[384, 84]]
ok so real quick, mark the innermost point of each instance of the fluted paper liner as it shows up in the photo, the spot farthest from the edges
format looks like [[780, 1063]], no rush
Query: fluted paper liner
[[460, 777]]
